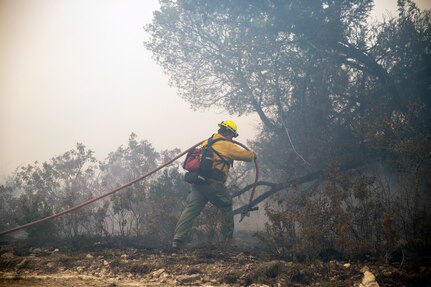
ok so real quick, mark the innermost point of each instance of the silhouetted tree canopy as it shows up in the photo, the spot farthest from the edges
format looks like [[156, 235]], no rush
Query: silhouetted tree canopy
[[316, 72]]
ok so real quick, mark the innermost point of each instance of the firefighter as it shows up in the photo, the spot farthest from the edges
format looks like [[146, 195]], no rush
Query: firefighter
[[214, 191]]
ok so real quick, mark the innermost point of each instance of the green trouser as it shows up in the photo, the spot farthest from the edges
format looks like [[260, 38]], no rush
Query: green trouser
[[199, 196]]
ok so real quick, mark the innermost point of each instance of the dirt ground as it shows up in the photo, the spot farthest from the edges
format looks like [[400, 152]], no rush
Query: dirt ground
[[114, 267]]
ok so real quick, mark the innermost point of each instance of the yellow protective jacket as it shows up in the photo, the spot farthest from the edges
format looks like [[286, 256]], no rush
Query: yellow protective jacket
[[230, 152]]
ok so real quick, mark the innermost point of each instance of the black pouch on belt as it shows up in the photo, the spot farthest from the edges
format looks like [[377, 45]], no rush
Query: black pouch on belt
[[195, 177], [217, 175]]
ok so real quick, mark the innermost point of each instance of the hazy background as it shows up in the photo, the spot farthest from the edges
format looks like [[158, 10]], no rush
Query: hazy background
[[77, 71]]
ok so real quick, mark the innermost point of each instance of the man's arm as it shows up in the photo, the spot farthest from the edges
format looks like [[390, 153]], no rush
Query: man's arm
[[237, 153]]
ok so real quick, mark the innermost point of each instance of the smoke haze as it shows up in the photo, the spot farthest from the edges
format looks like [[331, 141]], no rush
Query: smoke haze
[[77, 71]]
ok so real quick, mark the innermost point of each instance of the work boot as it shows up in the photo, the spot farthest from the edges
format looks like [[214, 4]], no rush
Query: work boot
[[176, 246]]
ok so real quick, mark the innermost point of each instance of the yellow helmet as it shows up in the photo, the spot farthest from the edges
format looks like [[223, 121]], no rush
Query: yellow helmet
[[229, 125]]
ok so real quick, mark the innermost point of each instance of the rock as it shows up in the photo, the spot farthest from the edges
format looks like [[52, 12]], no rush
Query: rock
[[36, 251], [89, 256], [79, 269], [189, 278], [157, 273], [7, 256], [105, 263], [369, 280], [56, 251]]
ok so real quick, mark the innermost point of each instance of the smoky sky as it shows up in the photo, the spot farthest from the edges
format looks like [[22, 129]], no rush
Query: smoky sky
[[77, 71]]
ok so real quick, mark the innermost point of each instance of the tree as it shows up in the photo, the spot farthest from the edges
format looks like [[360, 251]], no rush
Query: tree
[[8, 207], [54, 186], [130, 206], [312, 71], [327, 86], [244, 57]]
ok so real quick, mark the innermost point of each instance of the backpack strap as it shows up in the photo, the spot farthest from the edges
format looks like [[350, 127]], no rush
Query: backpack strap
[[209, 144]]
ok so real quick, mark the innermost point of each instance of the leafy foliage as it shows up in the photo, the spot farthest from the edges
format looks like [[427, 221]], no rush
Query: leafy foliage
[[59, 184], [125, 164], [40, 190]]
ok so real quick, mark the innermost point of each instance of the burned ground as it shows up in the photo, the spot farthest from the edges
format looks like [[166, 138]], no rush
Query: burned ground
[[21, 265]]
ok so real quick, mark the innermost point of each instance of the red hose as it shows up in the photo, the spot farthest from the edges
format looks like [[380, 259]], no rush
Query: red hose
[[115, 190]]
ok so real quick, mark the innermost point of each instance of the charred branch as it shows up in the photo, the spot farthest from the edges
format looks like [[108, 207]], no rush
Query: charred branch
[[276, 187]]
